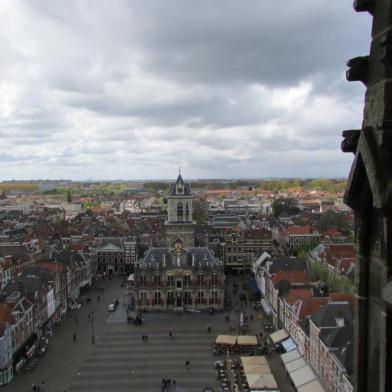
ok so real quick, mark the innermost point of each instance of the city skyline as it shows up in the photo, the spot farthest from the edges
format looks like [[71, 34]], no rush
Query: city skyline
[[131, 90]]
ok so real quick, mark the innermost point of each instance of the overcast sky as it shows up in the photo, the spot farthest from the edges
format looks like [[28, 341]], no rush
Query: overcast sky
[[133, 89]]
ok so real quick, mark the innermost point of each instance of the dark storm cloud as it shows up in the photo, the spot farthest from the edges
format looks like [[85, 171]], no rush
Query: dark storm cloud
[[270, 42]]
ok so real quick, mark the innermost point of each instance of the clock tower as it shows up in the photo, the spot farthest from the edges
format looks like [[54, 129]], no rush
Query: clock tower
[[180, 224]]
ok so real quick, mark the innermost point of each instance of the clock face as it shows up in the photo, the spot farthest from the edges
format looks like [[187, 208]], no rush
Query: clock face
[[179, 189]]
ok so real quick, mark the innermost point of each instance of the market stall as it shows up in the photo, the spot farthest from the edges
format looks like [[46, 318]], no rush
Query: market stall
[[294, 365], [312, 386], [256, 360], [247, 340], [302, 376], [247, 343], [261, 382], [226, 340], [278, 336], [290, 356], [288, 345]]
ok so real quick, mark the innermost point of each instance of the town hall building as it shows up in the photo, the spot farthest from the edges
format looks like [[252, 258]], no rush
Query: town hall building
[[179, 276]]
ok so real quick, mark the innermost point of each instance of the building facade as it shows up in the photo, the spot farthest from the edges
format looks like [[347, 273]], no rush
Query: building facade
[[179, 276]]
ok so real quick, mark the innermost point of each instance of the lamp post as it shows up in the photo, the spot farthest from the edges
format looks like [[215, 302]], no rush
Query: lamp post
[[92, 329]]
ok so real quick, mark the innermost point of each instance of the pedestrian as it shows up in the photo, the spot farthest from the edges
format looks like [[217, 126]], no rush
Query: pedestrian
[[170, 335], [74, 337], [34, 387], [76, 319], [174, 385], [208, 327], [187, 364], [98, 298], [38, 388]]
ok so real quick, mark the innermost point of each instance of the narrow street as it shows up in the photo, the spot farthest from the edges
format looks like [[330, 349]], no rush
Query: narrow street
[[255, 324]]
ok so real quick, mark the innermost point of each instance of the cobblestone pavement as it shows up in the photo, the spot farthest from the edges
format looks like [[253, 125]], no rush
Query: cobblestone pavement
[[119, 360]]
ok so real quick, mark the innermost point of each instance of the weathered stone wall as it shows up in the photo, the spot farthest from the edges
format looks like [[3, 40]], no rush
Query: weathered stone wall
[[369, 193]]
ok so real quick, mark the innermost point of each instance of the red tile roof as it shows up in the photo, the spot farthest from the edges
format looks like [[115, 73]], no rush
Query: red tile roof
[[296, 294], [308, 306], [291, 276], [343, 297], [299, 230]]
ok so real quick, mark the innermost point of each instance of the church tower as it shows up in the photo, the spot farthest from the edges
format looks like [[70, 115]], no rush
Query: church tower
[[180, 224]]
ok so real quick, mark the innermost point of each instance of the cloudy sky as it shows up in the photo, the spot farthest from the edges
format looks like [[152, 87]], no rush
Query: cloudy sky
[[132, 89]]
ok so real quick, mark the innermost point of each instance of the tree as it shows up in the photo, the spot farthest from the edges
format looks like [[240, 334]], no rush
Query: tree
[[200, 211], [68, 196], [288, 206]]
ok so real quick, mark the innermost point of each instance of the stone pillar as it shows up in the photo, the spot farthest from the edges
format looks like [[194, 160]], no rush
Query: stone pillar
[[369, 193]]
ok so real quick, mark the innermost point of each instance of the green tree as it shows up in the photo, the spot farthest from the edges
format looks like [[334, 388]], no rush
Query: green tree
[[68, 196], [200, 211]]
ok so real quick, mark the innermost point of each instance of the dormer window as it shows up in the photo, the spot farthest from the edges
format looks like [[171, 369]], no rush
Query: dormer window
[[180, 189]]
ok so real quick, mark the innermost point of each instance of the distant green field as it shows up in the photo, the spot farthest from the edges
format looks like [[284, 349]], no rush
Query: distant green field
[[8, 186]]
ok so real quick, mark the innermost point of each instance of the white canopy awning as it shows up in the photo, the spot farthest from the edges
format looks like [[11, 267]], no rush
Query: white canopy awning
[[302, 376], [255, 360], [261, 382], [278, 336], [294, 365], [313, 386], [257, 369], [291, 356], [227, 340], [247, 340], [131, 278], [289, 345]]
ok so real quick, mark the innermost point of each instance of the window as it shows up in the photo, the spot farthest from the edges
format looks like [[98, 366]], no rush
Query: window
[[187, 280], [214, 279], [200, 279], [157, 280], [180, 211], [170, 281], [157, 298], [200, 297], [214, 297], [170, 298], [143, 298], [187, 298], [179, 284], [143, 280]]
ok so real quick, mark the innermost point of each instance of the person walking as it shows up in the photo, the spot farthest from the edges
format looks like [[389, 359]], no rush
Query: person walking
[[74, 337], [174, 385], [170, 335]]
